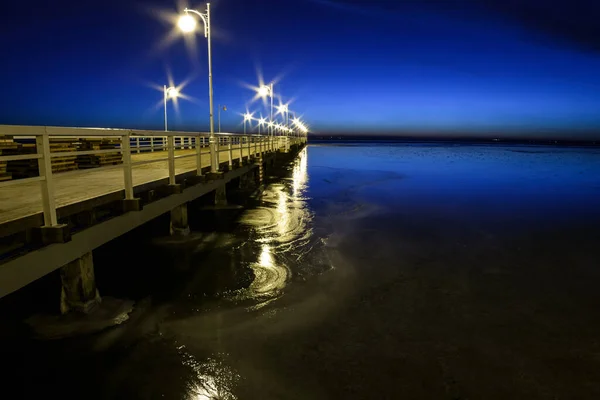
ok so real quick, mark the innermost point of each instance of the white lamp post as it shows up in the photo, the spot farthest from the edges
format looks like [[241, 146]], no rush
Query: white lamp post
[[247, 117], [265, 90], [283, 109], [187, 24], [224, 109], [169, 92]]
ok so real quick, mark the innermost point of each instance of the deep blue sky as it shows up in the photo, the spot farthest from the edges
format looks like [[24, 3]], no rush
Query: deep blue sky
[[481, 67]]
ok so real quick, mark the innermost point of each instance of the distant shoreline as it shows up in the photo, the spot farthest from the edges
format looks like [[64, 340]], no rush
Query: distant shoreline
[[463, 141]]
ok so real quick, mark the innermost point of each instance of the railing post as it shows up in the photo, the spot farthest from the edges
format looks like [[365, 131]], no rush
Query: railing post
[[230, 148], [137, 144], [152, 144], [127, 172], [214, 154], [240, 141], [171, 156], [248, 138], [198, 157], [45, 165]]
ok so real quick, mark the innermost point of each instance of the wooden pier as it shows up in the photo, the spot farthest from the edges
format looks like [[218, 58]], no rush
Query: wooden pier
[[121, 171]]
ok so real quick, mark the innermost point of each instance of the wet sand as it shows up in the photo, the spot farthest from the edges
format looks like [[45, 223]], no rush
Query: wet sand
[[368, 272]]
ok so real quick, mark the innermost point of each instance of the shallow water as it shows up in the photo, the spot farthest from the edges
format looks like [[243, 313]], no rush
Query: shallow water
[[405, 271]]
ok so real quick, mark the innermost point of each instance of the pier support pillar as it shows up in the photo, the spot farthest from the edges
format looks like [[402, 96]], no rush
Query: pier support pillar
[[179, 221], [79, 291], [247, 181], [221, 196], [261, 171]]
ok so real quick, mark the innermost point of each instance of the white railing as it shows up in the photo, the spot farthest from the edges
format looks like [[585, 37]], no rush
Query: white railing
[[132, 141]]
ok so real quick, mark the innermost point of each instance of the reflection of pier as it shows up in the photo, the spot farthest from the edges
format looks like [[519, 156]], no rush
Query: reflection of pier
[[54, 220]]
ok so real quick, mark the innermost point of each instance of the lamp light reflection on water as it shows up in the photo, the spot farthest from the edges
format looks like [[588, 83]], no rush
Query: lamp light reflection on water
[[281, 224], [270, 278], [212, 379], [266, 258], [300, 175], [283, 220]]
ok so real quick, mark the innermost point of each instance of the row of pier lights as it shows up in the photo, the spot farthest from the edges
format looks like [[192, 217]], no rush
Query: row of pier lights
[[188, 24]]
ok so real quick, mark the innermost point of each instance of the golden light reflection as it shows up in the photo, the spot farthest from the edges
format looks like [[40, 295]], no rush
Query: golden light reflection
[[300, 174], [284, 235], [270, 278], [283, 221], [212, 379], [266, 258]]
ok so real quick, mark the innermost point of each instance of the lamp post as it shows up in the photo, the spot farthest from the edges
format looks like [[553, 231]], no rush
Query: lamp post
[[264, 91], [187, 24], [261, 122], [224, 109], [169, 92], [247, 117], [283, 109]]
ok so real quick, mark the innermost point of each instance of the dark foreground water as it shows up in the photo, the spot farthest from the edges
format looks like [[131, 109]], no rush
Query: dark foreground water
[[370, 272]]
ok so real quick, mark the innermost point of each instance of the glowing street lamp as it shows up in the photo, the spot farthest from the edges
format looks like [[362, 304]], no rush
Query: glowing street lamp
[[264, 91], [187, 23], [261, 122], [300, 126], [224, 109], [247, 117], [283, 109], [169, 93]]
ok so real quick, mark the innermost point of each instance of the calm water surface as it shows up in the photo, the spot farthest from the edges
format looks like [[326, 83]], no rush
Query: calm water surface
[[400, 272]]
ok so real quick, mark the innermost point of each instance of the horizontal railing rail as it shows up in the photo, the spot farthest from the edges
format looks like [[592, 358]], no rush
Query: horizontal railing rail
[[126, 142]]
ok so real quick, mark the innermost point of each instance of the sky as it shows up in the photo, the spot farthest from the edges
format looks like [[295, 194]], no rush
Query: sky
[[524, 68]]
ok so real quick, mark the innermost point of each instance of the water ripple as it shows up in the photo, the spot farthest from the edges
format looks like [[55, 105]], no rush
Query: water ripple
[[283, 234]]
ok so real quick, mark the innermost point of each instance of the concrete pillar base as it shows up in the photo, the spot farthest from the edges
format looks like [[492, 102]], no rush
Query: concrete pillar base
[[132, 205], [247, 181], [46, 235], [79, 291], [221, 196], [179, 221], [176, 231], [261, 171]]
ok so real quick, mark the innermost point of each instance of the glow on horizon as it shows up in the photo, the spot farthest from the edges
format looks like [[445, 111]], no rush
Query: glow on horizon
[[431, 71]]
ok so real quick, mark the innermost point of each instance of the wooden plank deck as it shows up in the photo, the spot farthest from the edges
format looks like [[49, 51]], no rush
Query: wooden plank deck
[[22, 201]]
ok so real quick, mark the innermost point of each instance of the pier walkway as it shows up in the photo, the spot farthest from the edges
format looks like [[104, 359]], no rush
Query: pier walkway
[[38, 211]]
